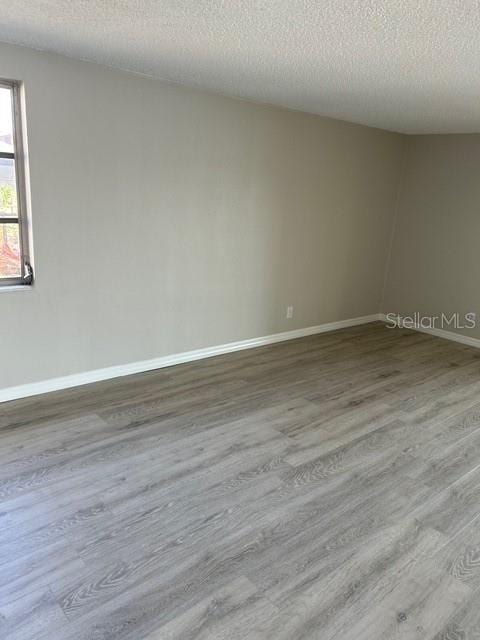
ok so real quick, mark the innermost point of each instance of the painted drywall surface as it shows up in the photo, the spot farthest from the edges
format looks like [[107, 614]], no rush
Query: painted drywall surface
[[167, 219], [434, 266]]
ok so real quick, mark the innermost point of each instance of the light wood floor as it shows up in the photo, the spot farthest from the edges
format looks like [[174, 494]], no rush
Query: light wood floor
[[323, 488]]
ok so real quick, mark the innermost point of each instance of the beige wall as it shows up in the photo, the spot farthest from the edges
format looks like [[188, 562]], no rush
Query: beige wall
[[435, 260], [167, 219]]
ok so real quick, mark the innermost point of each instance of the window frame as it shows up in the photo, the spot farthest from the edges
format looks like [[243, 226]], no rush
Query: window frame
[[19, 158]]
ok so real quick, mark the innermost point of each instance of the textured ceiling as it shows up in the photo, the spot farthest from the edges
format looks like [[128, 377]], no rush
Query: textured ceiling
[[406, 65]]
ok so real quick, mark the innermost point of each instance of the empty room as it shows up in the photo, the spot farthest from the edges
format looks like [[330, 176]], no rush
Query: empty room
[[240, 330]]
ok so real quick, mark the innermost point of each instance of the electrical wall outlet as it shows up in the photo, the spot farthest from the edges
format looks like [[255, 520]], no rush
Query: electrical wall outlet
[[289, 312]]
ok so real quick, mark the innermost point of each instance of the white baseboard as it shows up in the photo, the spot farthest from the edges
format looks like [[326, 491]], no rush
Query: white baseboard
[[441, 333], [96, 375]]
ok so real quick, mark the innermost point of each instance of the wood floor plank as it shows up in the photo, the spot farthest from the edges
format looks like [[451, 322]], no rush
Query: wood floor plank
[[235, 612], [464, 623], [320, 488]]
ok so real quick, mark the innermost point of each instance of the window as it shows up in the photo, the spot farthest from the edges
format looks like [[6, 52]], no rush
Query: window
[[15, 266]]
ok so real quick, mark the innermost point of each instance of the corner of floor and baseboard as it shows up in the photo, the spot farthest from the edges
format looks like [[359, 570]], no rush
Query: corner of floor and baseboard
[[438, 333], [97, 375]]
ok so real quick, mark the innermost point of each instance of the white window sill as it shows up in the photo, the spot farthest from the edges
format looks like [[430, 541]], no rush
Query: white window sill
[[15, 287]]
